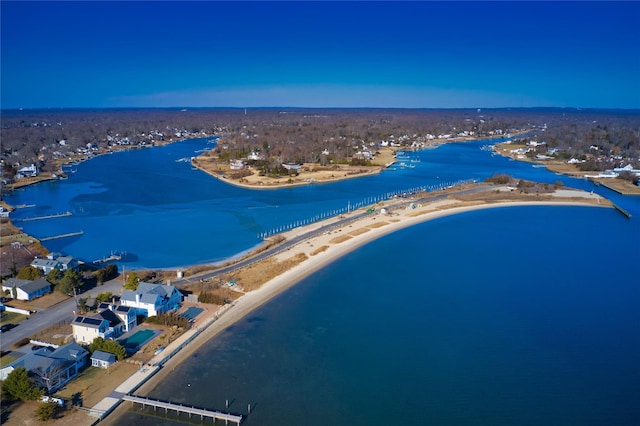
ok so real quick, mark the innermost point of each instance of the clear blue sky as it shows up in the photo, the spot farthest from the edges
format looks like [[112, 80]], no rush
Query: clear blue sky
[[320, 54]]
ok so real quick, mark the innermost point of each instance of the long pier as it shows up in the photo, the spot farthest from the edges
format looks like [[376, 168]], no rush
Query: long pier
[[51, 216], [191, 411], [55, 237]]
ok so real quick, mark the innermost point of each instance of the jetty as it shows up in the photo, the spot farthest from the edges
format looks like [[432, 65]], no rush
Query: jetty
[[179, 408], [623, 211], [55, 237], [51, 216]]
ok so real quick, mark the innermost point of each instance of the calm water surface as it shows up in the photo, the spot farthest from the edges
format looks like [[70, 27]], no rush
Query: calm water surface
[[490, 317]]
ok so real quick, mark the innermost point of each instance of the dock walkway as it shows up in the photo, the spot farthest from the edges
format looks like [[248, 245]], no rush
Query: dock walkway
[[191, 411]]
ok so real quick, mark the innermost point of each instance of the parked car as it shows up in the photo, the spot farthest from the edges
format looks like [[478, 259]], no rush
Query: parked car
[[6, 327]]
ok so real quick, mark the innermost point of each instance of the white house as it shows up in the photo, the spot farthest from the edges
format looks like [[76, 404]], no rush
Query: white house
[[86, 329], [27, 171], [111, 321], [152, 299], [27, 289]]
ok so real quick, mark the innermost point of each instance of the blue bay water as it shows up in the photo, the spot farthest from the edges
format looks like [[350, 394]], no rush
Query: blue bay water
[[494, 317], [520, 315]]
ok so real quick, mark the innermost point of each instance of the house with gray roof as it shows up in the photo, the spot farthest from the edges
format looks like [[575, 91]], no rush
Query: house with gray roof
[[152, 299], [27, 289], [55, 261], [102, 359], [50, 369]]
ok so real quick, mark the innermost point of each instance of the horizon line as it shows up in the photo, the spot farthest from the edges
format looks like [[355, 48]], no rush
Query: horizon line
[[180, 108]]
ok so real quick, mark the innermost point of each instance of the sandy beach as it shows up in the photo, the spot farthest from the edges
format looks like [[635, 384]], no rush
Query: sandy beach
[[322, 250]]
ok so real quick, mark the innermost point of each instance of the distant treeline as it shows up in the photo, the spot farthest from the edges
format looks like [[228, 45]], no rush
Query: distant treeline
[[302, 135]]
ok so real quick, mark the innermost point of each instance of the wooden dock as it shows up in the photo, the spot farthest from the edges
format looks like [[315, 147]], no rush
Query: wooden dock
[[191, 411], [112, 257], [55, 237]]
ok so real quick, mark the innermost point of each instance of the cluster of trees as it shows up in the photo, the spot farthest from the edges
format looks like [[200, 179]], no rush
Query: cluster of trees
[[20, 386], [132, 281], [107, 273], [65, 282], [524, 186], [111, 346]]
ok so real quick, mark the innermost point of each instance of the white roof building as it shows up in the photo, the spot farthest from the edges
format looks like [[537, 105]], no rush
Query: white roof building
[[151, 299]]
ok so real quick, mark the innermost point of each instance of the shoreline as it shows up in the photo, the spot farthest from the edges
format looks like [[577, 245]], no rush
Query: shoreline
[[253, 300]]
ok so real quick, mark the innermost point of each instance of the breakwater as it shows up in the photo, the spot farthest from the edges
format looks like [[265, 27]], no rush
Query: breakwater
[[55, 237], [50, 216]]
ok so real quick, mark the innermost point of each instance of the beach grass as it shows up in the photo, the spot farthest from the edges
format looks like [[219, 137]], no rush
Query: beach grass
[[319, 250]]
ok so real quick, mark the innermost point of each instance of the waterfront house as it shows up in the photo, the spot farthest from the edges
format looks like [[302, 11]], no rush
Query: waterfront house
[[45, 265], [50, 369], [27, 289], [27, 171], [102, 359], [151, 299], [111, 321], [55, 261]]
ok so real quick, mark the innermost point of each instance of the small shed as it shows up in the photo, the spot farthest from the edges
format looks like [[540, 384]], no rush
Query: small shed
[[102, 359]]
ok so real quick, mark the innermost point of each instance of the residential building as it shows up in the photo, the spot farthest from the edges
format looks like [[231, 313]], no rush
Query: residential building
[[55, 261], [50, 369], [111, 321], [152, 299], [87, 328], [102, 359], [27, 171], [27, 289]]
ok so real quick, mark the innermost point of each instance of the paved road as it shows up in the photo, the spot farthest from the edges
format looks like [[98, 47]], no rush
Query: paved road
[[54, 315]]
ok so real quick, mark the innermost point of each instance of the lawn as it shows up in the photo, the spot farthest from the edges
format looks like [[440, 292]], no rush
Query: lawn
[[95, 383], [11, 317]]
